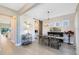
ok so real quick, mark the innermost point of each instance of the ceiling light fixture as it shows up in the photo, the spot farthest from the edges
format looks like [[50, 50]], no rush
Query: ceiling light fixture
[[48, 12]]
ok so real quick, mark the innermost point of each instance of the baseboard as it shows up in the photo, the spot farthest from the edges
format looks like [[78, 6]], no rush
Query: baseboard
[[18, 44]]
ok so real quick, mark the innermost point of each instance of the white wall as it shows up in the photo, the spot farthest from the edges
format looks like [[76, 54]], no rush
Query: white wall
[[60, 19], [77, 29], [5, 19], [31, 21]]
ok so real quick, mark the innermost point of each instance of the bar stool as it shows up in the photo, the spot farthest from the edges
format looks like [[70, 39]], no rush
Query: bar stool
[[55, 43], [45, 40]]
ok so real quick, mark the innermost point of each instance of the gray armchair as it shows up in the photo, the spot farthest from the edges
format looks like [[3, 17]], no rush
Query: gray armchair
[[26, 39]]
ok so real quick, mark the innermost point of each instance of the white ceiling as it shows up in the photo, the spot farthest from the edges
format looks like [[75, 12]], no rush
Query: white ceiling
[[14, 6], [56, 9], [40, 11]]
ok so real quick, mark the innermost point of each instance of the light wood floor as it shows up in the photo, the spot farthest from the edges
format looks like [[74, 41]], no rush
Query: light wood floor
[[8, 48]]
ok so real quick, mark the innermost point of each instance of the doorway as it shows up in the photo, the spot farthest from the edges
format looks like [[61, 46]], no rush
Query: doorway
[[5, 26], [8, 28], [38, 28]]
